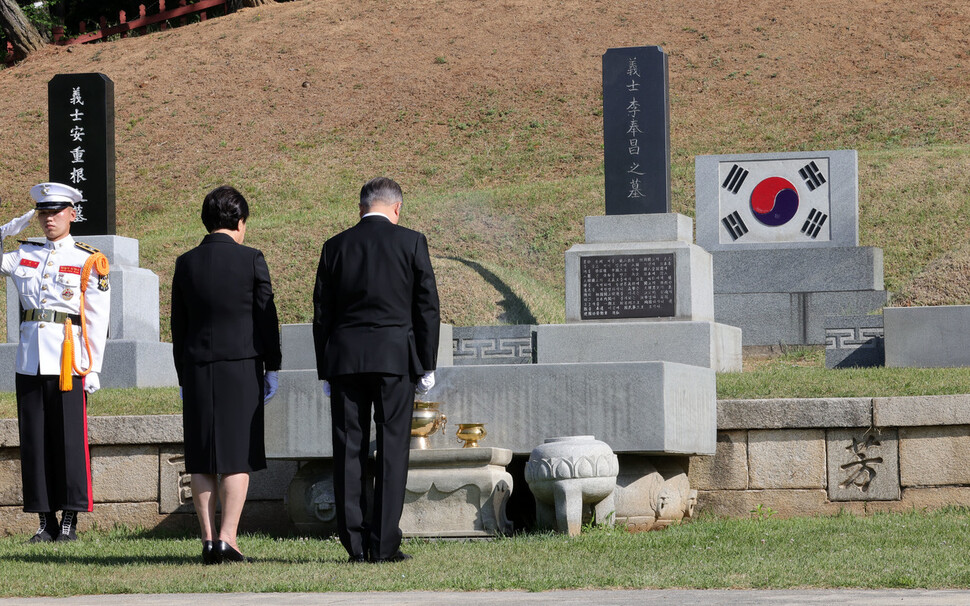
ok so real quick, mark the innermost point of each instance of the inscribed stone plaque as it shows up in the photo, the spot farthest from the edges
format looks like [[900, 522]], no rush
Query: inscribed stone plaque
[[82, 146], [863, 465], [636, 130], [627, 286]]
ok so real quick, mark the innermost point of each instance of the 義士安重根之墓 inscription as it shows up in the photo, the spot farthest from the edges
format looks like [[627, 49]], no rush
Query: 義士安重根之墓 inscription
[[627, 286]]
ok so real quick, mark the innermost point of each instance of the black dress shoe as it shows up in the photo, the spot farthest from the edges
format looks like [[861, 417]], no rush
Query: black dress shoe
[[48, 529], [226, 553], [357, 559], [400, 556], [209, 555], [68, 531]]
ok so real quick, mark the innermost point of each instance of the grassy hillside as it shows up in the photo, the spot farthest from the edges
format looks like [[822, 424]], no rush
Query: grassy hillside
[[489, 114]]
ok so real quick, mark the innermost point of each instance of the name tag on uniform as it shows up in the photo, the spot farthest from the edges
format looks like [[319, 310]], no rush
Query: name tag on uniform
[[29, 263], [69, 269]]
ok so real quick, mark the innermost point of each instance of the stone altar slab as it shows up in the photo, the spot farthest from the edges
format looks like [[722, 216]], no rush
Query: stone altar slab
[[457, 492], [296, 341], [932, 336], [644, 407]]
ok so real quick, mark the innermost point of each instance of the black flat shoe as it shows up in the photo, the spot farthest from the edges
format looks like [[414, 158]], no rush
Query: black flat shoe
[[226, 553], [209, 555], [357, 559], [400, 556]]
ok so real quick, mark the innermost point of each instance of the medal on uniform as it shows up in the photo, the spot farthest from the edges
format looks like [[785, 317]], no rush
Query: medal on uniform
[[67, 294]]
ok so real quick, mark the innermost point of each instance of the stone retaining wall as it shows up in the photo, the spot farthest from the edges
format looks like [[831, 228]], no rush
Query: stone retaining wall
[[795, 456], [811, 456]]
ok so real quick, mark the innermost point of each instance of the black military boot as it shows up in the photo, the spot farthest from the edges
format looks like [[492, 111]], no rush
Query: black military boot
[[68, 530], [48, 529]]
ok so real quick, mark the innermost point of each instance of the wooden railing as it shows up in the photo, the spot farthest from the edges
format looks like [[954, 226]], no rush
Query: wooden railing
[[140, 24]]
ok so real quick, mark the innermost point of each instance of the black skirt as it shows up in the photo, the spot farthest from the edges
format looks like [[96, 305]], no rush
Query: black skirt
[[222, 416]]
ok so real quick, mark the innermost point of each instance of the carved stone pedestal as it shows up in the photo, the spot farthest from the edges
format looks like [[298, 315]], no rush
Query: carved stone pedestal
[[457, 492]]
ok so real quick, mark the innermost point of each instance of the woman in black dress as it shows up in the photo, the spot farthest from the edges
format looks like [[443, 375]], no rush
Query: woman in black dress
[[225, 339]]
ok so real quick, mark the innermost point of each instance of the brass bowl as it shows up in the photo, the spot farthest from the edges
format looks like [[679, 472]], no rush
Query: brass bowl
[[471, 434], [425, 420]]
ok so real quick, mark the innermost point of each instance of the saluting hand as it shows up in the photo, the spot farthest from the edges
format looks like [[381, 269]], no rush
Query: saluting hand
[[17, 225]]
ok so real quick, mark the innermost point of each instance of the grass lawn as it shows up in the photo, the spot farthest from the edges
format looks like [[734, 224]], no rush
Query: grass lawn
[[915, 549]]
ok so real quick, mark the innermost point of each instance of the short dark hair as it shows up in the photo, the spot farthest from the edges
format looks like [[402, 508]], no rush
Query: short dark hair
[[222, 208], [380, 189]]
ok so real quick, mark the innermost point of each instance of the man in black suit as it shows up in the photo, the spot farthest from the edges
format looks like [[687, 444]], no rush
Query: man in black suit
[[375, 330]]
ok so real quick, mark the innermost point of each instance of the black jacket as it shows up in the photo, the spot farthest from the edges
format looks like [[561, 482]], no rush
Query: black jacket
[[222, 305], [375, 304]]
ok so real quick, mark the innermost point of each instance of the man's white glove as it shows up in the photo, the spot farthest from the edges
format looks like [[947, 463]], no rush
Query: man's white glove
[[271, 382], [425, 383], [17, 225], [326, 388], [91, 381]]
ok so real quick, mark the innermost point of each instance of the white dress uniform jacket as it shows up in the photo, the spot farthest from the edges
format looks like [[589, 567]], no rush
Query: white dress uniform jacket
[[48, 276]]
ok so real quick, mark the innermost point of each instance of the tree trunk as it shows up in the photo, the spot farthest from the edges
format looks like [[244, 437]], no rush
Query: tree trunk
[[19, 31]]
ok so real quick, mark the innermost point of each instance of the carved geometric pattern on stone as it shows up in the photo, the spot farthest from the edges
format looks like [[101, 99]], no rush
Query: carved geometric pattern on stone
[[853, 338], [860, 470], [499, 347]]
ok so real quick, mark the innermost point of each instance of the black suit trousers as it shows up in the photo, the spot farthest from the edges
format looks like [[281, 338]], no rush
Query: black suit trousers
[[392, 399]]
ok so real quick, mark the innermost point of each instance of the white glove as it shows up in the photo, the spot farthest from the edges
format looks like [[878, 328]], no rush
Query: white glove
[[91, 381], [326, 388], [271, 383], [17, 225], [425, 383]]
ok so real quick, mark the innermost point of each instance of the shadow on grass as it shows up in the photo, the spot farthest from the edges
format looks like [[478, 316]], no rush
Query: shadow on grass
[[516, 310]]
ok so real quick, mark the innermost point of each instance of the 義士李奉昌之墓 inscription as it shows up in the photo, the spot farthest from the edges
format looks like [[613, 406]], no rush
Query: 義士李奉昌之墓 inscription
[[627, 286]]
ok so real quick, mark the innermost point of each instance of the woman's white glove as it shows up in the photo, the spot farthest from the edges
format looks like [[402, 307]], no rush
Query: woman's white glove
[[271, 383], [17, 225], [91, 382]]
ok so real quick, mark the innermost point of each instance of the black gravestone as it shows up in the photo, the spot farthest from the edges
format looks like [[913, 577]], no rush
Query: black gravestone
[[82, 146], [627, 286], [636, 130]]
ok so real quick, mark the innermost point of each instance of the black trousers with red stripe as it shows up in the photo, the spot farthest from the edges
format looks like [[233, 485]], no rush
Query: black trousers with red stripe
[[55, 463]]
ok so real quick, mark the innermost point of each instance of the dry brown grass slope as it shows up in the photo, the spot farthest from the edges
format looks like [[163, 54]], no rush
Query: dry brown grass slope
[[489, 114]]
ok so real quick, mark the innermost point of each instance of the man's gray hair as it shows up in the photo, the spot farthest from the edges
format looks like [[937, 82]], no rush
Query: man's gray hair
[[380, 190]]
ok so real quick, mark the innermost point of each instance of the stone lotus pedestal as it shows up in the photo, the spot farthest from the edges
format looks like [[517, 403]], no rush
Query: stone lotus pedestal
[[567, 473], [457, 492]]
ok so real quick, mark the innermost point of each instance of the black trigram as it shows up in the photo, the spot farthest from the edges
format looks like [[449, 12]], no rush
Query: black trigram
[[735, 225], [812, 175], [734, 179], [814, 223]]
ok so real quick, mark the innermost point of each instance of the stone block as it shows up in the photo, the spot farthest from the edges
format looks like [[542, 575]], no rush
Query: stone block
[[791, 413], [11, 488], [927, 337], [138, 364], [915, 411], [509, 344], [837, 197], [784, 503], [786, 458], [134, 305], [791, 318], [124, 473], [271, 484], [296, 342], [654, 227], [649, 407], [9, 433], [798, 270], [863, 465], [934, 456], [706, 344], [457, 492], [135, 429], [727, 469], [120, 250], [693, 295], [854, 341]]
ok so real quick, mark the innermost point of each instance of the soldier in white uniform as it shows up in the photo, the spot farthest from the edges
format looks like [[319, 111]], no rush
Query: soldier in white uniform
[[63, 287]]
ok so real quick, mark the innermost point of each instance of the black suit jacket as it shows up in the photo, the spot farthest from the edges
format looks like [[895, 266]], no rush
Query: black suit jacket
[[375, 303], [222, 305]]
